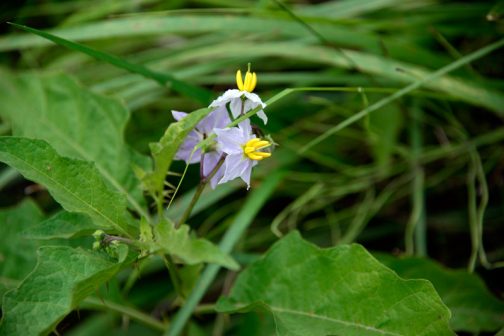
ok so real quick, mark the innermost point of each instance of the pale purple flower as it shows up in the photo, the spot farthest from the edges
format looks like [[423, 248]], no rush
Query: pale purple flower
[[234, 98], [243, 150], [216, 119]]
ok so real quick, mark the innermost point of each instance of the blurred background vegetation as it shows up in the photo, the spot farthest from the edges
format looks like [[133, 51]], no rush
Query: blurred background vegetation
[[423, 175]]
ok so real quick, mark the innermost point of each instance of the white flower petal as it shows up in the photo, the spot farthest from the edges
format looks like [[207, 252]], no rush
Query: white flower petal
[[262, 116], [230, 140], [177, 115], [234, 166], [246, 131], [245, 176], [251, 104], [217, 177], [254, 98], [236, 107], [218, 118], [210, 160], [226, 97]]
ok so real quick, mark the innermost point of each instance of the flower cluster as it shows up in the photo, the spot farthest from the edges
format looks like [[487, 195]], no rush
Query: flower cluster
[[236, 150]]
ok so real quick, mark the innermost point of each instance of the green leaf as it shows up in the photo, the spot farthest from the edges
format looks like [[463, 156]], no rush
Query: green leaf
[[75, 184], [337, 291], [63, 225], [192, 251], [62, 278], [192, 91], [164, 151], [474, 309], [18, 254], [76, 123]]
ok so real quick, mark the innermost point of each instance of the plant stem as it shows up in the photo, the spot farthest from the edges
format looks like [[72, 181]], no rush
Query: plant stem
[[253, 204], [203, 182], [95, 303], [196, 196], [172, 269]]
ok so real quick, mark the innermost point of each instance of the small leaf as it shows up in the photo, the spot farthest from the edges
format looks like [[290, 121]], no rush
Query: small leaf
[[18, 254], [75, 184], [164, 151], [474, 309], [62, 278], [337, 291], [63, 225], [192, 251]]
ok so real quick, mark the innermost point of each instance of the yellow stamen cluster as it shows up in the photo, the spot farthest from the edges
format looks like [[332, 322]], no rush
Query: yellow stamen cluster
[[250, 81], [252, 147]]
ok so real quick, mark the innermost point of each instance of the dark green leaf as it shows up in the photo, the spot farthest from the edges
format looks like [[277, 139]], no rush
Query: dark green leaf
[[75, 184], [17, 254], [63, 225], [474, 309], [76, 123], [337, 291], [62, 278]]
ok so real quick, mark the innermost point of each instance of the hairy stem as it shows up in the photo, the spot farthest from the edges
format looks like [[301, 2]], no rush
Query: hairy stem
[[203, 182]]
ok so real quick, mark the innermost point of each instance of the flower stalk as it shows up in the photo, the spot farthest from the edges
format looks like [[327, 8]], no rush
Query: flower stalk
[[201, 186]]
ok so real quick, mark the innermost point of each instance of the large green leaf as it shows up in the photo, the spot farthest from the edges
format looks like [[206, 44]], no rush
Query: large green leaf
[[336, 291], [164, 151], [17, 254], [190, 250], [474, 308], [63, 225], [75, 122], [75, 184], [62, 278]]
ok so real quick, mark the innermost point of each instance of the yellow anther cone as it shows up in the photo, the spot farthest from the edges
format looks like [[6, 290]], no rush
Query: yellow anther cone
[[239, 80], [249, 83], [252, 147]]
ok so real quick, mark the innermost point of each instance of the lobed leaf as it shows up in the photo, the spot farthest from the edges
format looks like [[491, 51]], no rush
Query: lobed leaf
[[337, 291], [76, 122], [62, 278], [63, 225], [75, 184], [17, 254], [474, 309]]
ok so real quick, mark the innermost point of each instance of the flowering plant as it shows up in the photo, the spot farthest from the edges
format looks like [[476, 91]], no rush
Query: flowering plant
[[236, 150]]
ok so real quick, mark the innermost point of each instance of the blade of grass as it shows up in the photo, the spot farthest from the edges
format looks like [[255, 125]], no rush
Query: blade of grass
[[413, 86], [416, 235], [241, 222], [202, 95]]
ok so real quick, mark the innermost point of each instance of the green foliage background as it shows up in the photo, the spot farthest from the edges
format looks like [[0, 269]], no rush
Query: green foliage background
[[389, 120]]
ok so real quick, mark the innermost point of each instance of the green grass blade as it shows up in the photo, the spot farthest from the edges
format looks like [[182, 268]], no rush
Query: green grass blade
[[413, 86], [202, 95]]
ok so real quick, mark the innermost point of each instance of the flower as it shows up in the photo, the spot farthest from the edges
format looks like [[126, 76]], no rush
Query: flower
[[242, 100], [243, 151], [209, 158]]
